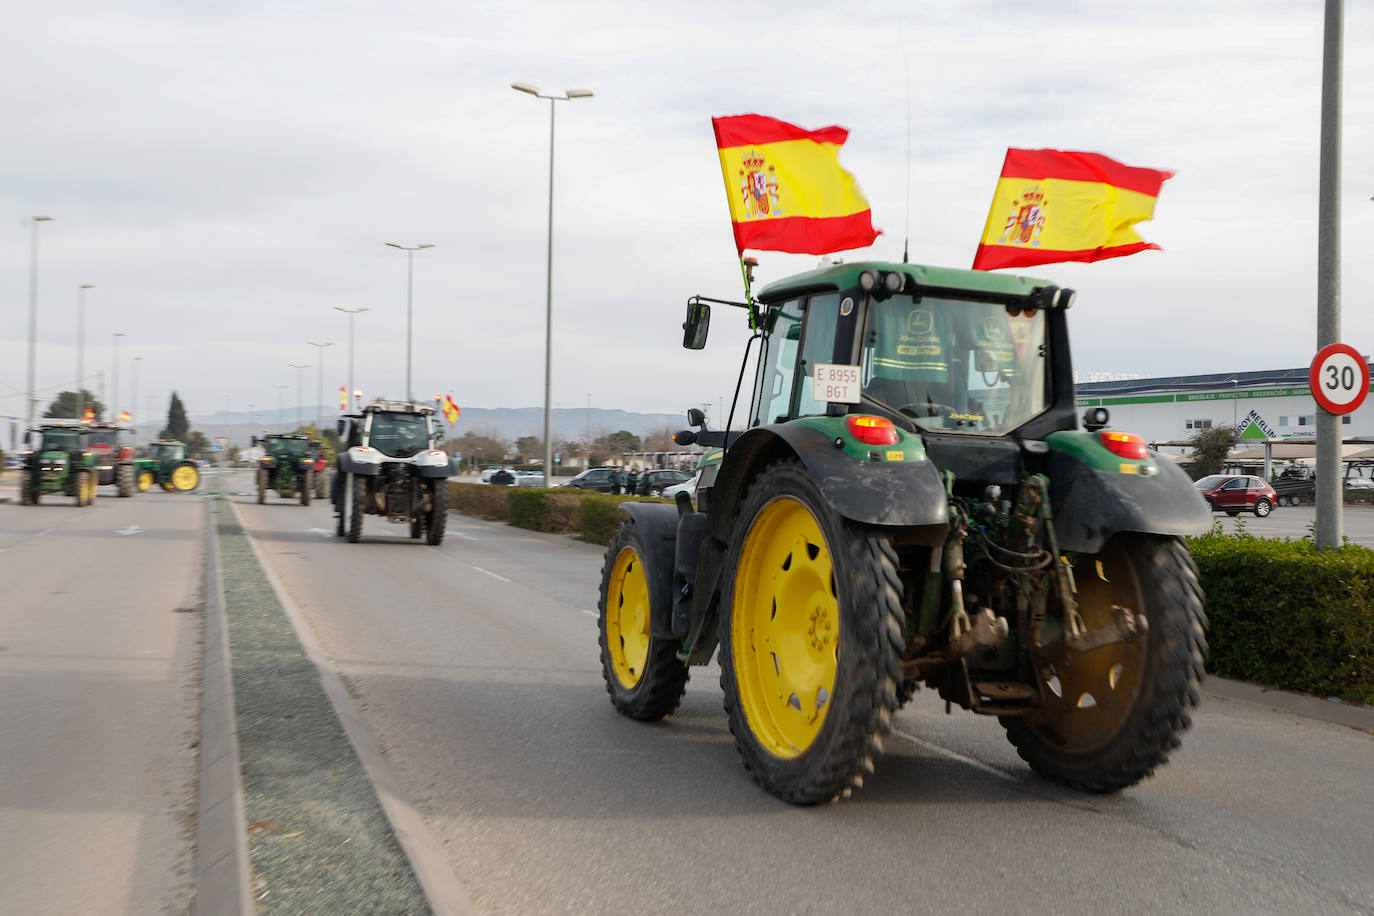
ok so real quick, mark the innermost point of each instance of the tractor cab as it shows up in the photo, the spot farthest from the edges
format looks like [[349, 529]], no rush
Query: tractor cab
[[167, 450]]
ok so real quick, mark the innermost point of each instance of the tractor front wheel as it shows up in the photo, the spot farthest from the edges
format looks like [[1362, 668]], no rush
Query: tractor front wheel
[[810, 639], [185, 477], [643, 674], [357, 494], [124, 479], [1113, 714], [145, 480], [26, 489], [436, 518]]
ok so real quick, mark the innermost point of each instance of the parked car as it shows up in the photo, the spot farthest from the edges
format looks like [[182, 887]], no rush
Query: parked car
[[653, 483], [1234, 494], [688, 486], [1359, 483], [598, 479]]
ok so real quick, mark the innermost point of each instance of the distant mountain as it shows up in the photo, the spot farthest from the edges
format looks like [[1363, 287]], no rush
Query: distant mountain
[[509, 423]]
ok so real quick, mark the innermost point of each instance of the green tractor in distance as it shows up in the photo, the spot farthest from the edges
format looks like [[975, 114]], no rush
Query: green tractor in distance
[[62, 463], [167, 466], [287, 467], [914, 502]]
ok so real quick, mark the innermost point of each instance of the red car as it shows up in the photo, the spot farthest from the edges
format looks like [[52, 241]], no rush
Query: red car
[[1236, 493]]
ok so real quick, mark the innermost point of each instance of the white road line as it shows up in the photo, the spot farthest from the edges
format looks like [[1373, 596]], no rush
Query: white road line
[[589, 613], [44, 531], [466, 537], [490, 573], [946, 752]]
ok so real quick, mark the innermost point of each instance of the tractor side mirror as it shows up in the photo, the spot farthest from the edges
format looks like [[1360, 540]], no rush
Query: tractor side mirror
[[686, 437], [695, 417], [28, 438], [695, 328]]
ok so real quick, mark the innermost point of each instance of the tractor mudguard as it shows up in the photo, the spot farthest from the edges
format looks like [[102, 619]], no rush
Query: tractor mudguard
[[446, 470], [691, 531], [657, 524], [908, 494], [366, 468], [1090, 505]]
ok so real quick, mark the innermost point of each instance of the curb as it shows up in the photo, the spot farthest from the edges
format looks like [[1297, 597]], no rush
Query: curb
[[223, 883], [1336, 712]]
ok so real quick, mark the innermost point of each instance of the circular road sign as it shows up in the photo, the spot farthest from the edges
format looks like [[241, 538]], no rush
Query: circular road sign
[[1339, 378]]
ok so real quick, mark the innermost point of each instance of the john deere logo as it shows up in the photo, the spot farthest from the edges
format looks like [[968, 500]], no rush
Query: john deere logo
[[993, 329], [920, 321]]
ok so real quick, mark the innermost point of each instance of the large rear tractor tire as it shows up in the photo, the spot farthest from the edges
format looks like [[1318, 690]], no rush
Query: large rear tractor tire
[[307, 487], [26, 489], [124, 479], [357, 494], [810, 640], [185, 477], [1113, 714], [436, 519], [262, 486], [643, 674], [85, 487]]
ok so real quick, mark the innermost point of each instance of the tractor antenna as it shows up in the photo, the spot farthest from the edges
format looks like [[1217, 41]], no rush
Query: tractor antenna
[[906, 231]]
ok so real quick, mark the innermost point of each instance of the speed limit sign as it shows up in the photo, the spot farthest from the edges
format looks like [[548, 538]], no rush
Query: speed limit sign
[[1339, 378]]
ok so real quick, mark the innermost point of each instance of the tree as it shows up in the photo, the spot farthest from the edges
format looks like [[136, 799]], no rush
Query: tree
[[197, 446], [661, 440], [177, 425], [478, 448], [529, 447], [1210, 448], [66, 405], [617, 443]]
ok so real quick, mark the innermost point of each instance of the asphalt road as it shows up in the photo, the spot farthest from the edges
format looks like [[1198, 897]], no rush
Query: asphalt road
[[475, 666], [99, 691], [1357, 522]]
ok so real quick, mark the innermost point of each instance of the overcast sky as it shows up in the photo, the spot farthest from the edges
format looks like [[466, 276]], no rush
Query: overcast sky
[[226, 173]]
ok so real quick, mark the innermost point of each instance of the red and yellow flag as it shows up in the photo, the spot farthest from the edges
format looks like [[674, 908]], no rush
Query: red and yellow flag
[[343, 397], [451, 411], [1058, 205], [786, 189], [88, 415], [124, 416]]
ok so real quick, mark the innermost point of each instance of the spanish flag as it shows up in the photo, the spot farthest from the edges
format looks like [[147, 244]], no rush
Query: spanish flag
[[343, 397], [786, 189], [1058, 205], [88, 415], [451, 411], [124, 416]]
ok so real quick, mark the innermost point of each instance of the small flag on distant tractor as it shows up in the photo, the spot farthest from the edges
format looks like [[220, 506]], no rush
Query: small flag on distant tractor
[[88, 415], [451, 411], [786, 189], [343, 397], [1059, 205], [124, 416]]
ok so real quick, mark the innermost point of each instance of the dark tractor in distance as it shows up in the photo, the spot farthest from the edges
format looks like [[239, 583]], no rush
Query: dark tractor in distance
[[389, 467], [288, 466], [61, 462], [168, 467], [114, 460], [914, 502]]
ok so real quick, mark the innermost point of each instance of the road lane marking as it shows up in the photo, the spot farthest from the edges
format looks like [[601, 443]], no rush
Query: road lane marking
[[466, 537], [952, 755], [132, 529], [490, 573], [320, 531], [590, 613]]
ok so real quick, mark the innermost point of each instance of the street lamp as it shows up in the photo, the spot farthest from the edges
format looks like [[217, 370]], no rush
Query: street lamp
[[350, 313], [410, 287], [133, 416], [548, 289], [319, 387], [114, 375], [81, 348], [298, 367], [279, 388], [33, 313]]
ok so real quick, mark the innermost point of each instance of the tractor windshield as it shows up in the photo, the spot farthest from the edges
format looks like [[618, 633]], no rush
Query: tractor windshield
[[103, 438], [956, 365], [61, 440], [399, 435], [164, 451], [292, 448]]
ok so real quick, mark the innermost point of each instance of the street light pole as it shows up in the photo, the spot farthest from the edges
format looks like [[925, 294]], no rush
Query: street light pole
[[319, 386], [29, 394], [279, 388], [410, 289], [133, 385], [299, 412], [81, 348], [114, 376], [348, 392], [548, 275]]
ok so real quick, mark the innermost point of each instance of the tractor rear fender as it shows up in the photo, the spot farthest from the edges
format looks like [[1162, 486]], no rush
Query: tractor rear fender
[[1090, 505], [906, 494], [657, 524]]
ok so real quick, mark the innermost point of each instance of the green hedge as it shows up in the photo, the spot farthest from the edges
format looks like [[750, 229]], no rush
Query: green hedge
[[1288, 615], [592, 516]]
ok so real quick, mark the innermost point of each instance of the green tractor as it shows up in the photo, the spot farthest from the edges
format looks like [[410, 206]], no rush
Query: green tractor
[[168, 467], [914, 502], [288, 466], [62, 463]]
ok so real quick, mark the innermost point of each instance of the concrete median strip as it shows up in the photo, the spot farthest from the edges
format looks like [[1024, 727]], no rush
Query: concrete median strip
[[328, 826]]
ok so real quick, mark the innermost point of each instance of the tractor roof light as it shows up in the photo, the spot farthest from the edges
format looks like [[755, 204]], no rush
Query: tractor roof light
[[893, 281], [1125, 445], [871, 430], [868, 280]]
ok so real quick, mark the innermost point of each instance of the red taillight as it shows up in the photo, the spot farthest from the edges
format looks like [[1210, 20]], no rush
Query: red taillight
[[126, 454], [1127, 445], [871, 430]]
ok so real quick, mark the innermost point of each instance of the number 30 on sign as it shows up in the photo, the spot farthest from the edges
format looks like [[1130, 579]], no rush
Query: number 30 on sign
[[1339, 378]]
